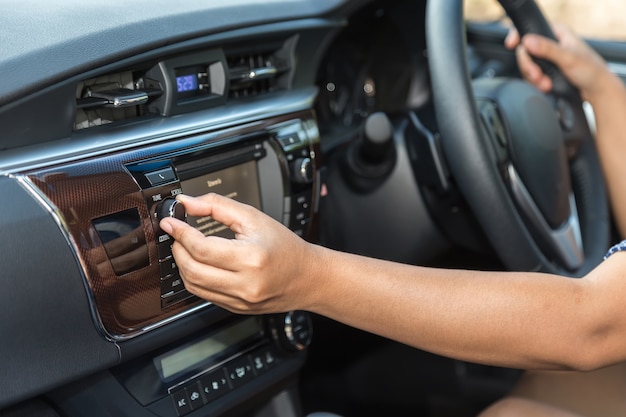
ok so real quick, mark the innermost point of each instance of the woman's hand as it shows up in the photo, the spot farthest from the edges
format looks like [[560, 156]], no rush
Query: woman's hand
[[262, 270], [580, 64]]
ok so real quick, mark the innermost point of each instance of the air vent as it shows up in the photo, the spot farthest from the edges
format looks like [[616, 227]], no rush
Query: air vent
[[112, 98], [261, 69]]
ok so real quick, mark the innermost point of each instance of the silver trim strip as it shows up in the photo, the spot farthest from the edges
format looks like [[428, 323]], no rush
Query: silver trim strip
[[121, 97], [59, 220], [566, 241], [57, 216], [98, 141], [617, 68], [590, 115]]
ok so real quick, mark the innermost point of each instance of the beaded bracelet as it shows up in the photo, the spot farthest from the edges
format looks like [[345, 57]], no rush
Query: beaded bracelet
[[616, 248]]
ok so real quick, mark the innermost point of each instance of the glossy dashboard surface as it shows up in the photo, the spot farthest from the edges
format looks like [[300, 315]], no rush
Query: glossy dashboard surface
[[85, 325], [108, 206], [69, 307]]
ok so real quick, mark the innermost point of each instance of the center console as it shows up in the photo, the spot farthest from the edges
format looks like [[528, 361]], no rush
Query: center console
[[239, 356], [108, 208]]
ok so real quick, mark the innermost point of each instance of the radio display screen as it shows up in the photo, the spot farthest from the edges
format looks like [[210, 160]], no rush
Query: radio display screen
[[202, 353], [239, 182]]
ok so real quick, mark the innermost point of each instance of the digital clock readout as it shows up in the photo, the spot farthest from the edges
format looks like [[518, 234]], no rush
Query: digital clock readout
[[186, 83]]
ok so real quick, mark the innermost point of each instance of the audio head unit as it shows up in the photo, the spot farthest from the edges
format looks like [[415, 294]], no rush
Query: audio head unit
[[109, 208]]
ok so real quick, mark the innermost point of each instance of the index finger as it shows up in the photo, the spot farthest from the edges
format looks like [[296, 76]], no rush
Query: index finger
[[225, 210], [214, 251]]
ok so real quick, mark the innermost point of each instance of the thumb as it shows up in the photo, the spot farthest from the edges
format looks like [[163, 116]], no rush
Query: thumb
[[179, 230]]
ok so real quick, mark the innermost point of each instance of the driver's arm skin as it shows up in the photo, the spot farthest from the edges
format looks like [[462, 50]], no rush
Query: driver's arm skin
[[604, 90], [598, 393], [519, 320]]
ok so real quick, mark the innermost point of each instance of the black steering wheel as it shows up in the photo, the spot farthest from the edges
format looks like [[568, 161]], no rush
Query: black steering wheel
[[525, 161]]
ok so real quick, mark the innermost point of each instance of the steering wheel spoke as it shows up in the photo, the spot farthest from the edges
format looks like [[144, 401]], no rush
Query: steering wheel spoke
[[564, 243]]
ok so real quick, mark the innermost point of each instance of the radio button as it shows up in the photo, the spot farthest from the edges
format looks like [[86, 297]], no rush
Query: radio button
[[303, 200], [168, 267], [214, 385], [181, 402], [290, 140], [172, 297], [164, 246], [258, 363], [239, 371], [263, 360], [196, 399], [270, 359], [172, 284], [161, 176]]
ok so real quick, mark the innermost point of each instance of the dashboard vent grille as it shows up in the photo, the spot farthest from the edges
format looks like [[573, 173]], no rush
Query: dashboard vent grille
[[260, 70], [112, 98]]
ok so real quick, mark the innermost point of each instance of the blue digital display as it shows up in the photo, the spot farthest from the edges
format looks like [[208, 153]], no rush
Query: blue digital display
[[186, 83]]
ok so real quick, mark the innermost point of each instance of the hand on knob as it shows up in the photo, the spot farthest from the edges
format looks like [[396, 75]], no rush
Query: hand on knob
[[170, 207]]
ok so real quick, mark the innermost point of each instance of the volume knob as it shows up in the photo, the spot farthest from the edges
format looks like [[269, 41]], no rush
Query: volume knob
[[170, 207], [292, 331], [302, 170]]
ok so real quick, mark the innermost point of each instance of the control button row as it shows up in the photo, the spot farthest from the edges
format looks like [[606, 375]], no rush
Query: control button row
[[300, 213], [168, 267], [217, 383], [172, 286], [300, 153], [164, 246]]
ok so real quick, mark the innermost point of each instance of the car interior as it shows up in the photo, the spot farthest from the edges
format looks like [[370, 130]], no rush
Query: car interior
[[393, 129]]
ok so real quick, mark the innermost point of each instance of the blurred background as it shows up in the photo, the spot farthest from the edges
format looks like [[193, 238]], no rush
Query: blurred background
[[601, 19]]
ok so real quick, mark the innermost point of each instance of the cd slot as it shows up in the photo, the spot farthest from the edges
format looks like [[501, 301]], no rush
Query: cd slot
[[226, 158]]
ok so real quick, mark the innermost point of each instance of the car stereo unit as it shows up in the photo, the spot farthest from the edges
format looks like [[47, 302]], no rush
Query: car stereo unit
[[109, 207]]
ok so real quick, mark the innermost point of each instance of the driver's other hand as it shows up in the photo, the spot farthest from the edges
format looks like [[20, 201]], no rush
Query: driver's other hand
[[584, 68], [261, 270]]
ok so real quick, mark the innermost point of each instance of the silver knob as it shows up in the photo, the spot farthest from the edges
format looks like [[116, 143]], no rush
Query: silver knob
[[170, 207], [303, 170]]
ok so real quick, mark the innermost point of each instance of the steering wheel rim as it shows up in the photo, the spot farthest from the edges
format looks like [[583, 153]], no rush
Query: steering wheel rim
[[471, 160]]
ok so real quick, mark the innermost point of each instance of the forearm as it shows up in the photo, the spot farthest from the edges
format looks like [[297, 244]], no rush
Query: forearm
[[516, 320], [525, 320]]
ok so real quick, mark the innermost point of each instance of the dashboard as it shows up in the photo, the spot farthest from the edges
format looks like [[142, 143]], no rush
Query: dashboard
[[96, 145], [317, 112], [361, 74]]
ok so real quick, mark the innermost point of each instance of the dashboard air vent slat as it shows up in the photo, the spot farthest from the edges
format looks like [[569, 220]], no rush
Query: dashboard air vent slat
[[258, 70], [113, 97]]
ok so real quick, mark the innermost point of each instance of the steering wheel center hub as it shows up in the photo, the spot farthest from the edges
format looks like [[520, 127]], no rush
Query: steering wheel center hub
[[535, 144]]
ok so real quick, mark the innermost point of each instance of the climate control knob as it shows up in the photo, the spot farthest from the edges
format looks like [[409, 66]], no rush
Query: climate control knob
[[302, 170], [292, 331], [170, 207]]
